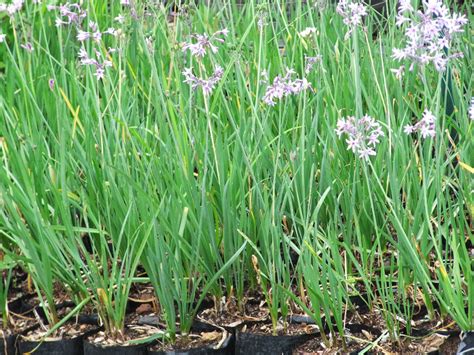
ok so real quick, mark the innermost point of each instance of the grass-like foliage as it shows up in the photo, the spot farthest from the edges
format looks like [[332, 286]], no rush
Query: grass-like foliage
[[306, 152]]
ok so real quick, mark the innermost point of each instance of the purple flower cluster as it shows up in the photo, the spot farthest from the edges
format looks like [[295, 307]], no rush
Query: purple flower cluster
[[362, 134], [352, 14], [426, 126], [207, 85], [311, 61], [94, 34], [73, 14], [68, 14], [199, 50], [99, 64], [285, 86], [204, 42], [12, 8], [429, 33], [27, 47]]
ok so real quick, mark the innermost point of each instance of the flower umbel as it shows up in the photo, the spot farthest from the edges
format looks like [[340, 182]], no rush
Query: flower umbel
[[99, 64], [352, 13], [205, 42], [311, 61], [426, 126], [429, 34], [207, 85], [285, 86], [362, 134]]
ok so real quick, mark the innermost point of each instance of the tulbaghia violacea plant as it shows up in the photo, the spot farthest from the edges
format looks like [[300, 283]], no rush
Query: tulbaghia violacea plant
[[285, 86], [205, 42], [362, 134], [426, 126], [352, 13], [98, 62], [207, 85], [429, 33]]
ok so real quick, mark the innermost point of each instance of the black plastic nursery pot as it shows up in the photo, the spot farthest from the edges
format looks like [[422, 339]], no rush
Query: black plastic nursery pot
[[266, 344], [55, 346], [223, 347], [466, 346], [227, 348], [98, 349], [9, 339], [8, 344]]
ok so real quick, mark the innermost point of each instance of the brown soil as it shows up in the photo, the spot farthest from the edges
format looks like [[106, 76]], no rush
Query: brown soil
[[290, 329], [316, 346], [230, 315], [213, 339], [23, 320], [375, 338], [132, 331]]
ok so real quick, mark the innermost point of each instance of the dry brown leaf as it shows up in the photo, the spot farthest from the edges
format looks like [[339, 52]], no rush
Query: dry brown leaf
[[210, 336]]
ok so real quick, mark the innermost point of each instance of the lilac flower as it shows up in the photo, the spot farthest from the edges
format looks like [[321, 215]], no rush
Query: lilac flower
[[82, 35], [311, 61], [204, 42], [99, 72], [207, 85], [352, 13], [97, 36], [28, 47], [111, 31], [2, 37], [58, 22], [398, 72], [426, 126], [404, 5], [308, 31], [120, 19], [283, 87], [12, 8], [471, 109], [93, 26], [362, 134], [428, 34], [68, 14], [98, 63]]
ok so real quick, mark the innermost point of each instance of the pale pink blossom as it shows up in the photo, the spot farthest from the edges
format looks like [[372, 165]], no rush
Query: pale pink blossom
[[205, 42], [362, 134], [425, 126]]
